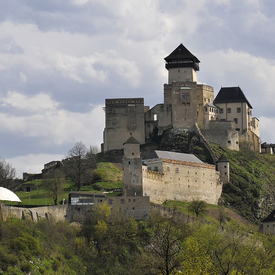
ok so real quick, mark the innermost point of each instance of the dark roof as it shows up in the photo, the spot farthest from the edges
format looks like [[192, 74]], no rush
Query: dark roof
[[231, 95], [270, 217], [131, 140], [181, 57], [223, 158], [173, 155]]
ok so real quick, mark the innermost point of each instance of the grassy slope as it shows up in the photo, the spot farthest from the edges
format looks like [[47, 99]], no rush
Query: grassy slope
[[112, 180], [251, 190]]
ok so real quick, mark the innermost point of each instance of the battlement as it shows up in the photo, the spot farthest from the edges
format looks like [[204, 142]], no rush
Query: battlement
[[194, 164]]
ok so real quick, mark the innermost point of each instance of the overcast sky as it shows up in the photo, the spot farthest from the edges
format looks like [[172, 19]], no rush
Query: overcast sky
[[60, 59]]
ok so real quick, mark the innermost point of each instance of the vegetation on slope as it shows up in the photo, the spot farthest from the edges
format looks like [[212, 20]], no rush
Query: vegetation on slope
[[251, 190], [120, 245]]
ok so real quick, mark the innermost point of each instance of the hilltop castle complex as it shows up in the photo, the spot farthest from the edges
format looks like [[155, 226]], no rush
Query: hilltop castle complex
[[225, 120]]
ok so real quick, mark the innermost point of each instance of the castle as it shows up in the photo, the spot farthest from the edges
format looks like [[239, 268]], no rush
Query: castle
[[225, 120]]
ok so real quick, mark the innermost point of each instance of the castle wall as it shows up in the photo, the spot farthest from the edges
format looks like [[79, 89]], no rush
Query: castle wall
[[136, 207], [222, 133], [182, 181], [182, 97], [159, 116], [182, 75], [205, 94], [238, 112], [122, 117]]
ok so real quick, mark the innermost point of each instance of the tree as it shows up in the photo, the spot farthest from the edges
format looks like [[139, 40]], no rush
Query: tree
[[197, 207], [165, 250], [54, 183], [7, 173], [78, 162]]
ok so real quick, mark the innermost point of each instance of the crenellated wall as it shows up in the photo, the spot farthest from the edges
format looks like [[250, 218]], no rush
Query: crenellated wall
[[182, 181]]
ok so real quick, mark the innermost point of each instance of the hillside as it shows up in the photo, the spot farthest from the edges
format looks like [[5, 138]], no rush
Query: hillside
[[251, 190]]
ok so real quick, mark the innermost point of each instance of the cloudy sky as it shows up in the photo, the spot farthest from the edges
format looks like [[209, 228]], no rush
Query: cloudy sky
[[60, 59]]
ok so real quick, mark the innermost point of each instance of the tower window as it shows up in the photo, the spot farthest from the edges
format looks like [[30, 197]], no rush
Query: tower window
[[185, 96]]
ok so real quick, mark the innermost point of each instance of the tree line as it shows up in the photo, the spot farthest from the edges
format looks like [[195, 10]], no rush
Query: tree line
[[117, 244]]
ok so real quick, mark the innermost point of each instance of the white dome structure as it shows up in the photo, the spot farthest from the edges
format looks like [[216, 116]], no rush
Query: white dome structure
[[7, 195]]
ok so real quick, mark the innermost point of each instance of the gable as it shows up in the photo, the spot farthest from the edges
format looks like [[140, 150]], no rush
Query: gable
[[231, 95]]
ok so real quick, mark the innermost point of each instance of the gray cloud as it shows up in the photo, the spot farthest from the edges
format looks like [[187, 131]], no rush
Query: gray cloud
[[60, 60]]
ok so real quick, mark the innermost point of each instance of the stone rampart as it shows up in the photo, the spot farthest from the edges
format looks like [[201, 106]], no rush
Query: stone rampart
[[137, 207], [181, 182]]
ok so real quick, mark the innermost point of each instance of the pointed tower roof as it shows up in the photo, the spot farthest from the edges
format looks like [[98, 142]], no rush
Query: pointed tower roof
[[181, 57], [131, 140], [223, 158], [231, 95]]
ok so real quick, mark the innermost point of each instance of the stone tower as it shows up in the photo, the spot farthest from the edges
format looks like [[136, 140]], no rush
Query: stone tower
[[223, 168], [182, 65], [132, 168]]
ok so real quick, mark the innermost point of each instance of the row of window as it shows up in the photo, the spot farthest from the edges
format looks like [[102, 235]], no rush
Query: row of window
[[229, 110]]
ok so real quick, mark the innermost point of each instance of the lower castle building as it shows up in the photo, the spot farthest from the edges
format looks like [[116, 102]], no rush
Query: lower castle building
[[181, 177], [225, 119]]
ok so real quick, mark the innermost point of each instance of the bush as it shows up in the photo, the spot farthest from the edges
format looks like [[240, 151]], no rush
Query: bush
[[26, 267]]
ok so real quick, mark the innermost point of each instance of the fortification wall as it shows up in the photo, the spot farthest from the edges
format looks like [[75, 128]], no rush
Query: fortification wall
[[222, 133], [183, 182], [136, 207]]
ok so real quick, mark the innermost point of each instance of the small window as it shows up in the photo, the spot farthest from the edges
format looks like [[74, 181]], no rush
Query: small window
[[229, 141], [155, 117], [221, 110], [122, 201], [238, 110], [168, 169], [236, 120], [228, 110], [185, 111], [208, 100], [205, 99], [205, 109], [185, 96], [156, 168], [238, 129], [177, 170], [110, 201], [114, 121], [149, 168]]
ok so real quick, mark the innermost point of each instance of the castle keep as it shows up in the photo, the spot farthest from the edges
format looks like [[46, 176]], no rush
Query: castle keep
[[225, 120]]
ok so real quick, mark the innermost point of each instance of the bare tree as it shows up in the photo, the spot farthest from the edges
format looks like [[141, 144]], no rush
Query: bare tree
[[54, 183], [7, 173], [80, 159]]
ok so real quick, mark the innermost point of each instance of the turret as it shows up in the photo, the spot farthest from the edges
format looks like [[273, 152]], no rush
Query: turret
[[132, 168], [182, 65], [223, 168]]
